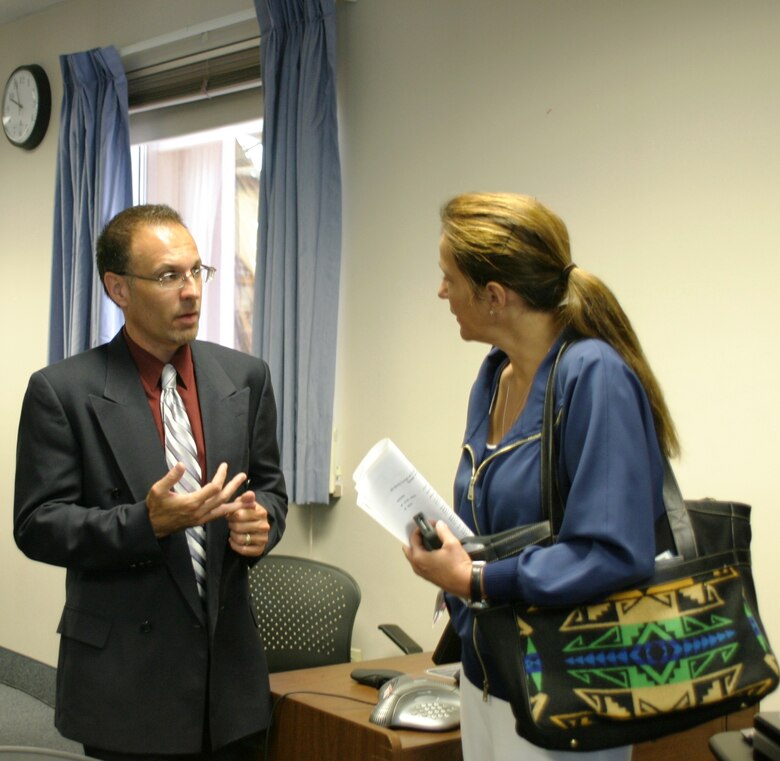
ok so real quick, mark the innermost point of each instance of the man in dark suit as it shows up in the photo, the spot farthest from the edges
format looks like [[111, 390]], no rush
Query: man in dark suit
[[148, 667]]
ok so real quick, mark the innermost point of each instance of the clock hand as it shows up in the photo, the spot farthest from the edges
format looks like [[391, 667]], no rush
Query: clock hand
[[15, 102]]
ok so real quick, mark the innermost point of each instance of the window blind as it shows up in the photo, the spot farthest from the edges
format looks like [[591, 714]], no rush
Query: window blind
[[197, 78], [207, 74]]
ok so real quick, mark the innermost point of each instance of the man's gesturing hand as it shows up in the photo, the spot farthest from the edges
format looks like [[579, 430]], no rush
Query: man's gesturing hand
[[170, 512], [249, 526]]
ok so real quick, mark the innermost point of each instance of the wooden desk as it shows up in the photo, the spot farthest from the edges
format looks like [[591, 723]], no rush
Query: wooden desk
[[329, 727], [334, 725], [695, 744]]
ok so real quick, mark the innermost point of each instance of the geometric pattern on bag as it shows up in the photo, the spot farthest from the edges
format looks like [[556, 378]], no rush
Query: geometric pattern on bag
[[642, 652]]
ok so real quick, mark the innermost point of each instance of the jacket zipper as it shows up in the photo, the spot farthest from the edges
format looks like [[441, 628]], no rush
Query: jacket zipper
[[485, 683], [475, 474]]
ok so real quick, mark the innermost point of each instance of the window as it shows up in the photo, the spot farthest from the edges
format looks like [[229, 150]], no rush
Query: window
[[212, 179]]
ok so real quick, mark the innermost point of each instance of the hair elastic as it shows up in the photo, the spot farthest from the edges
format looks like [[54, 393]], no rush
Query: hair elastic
[[566, 271]]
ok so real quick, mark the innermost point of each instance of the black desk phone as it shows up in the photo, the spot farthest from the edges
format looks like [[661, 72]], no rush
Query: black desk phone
[[408, 703]]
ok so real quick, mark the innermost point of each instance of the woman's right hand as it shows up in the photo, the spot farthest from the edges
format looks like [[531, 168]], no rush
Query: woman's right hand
[[448, 567]]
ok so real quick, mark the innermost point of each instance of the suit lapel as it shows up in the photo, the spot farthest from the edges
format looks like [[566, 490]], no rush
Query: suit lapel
[[224, 410], [126, 421]]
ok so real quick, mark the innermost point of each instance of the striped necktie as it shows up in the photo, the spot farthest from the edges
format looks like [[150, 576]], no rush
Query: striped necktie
[[180, 447]]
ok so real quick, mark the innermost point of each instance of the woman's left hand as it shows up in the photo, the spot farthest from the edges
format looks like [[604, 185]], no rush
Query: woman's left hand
[[448, 567]]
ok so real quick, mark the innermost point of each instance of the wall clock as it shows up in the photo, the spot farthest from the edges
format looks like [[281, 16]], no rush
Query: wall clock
[[26, 106]]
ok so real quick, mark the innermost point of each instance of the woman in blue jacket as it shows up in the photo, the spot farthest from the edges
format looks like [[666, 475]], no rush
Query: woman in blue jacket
[[510, 282]]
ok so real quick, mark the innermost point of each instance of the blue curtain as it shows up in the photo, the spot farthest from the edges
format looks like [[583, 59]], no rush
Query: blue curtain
[[94, 182], [299, 235]]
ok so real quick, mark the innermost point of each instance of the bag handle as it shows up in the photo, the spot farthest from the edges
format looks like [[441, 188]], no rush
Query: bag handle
[[677, 514], [552, 504]]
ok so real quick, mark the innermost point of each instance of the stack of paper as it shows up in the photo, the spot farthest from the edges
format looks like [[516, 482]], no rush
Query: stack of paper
[[392, 491]]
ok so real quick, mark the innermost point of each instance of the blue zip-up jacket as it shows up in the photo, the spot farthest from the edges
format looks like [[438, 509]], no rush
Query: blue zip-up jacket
[[610, 472]]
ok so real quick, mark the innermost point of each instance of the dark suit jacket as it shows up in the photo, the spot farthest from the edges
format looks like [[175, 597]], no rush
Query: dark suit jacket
[[140, 661]]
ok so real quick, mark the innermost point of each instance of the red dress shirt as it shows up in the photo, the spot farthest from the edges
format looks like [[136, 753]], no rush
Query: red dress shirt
[[150, 369]]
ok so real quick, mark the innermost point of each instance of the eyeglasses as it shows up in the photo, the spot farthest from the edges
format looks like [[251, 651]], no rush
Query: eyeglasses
[[176, 280]]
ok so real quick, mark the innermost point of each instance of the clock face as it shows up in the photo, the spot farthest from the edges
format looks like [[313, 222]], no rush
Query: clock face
[[26, 106]]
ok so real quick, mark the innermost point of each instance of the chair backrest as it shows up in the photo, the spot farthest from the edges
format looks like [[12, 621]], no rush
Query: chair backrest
[[23, 673], [29, 753], [305, 611], [27, 694]]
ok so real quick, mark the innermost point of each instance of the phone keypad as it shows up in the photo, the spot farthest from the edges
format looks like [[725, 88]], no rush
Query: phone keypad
[[434, 710]]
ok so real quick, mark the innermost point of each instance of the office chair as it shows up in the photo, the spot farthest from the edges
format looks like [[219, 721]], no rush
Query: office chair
[[304, 610], [27, 694], [29, 753]]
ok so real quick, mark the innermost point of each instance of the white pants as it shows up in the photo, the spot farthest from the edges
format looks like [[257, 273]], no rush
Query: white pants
[[488, 734]]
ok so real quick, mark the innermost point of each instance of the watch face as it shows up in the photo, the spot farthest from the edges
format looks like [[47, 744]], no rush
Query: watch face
[[26, 106]]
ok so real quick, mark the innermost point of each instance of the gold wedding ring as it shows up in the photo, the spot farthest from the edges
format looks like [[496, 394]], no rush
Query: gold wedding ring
[[247, 540]]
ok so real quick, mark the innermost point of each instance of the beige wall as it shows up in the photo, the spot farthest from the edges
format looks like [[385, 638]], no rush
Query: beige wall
[[649, 126]]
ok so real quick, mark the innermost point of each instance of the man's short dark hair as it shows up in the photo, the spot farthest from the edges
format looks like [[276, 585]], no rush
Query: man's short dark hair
[[115, 242]]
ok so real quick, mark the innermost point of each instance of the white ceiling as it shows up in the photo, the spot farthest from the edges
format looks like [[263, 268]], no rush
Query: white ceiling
[[10, 10]]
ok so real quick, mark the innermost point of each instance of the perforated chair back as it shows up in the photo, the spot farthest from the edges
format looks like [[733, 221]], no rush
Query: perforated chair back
[[305, 611]]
